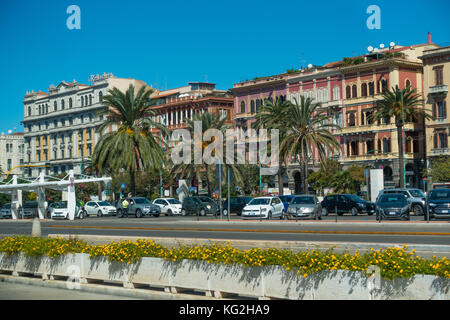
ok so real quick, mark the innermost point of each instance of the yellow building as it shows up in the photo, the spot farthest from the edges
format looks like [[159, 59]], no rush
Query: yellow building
[[436, 68]]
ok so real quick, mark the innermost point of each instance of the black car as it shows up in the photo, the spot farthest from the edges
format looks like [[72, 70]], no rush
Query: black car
[[236, 205], [343, 203], [200, 205], [393, 206], [438, 204]]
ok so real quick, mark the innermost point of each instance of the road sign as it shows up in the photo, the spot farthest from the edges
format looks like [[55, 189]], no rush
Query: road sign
[[122, 186]]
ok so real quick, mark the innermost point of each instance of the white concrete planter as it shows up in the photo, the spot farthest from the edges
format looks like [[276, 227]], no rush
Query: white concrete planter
[[219, 280]]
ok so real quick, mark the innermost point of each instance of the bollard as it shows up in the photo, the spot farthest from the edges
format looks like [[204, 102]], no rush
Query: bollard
[[36, 228]]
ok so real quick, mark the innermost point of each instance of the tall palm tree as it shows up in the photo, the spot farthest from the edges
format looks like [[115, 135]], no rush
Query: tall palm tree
[[274, 116], [401, 104], [203, 171], [307, 127], [132, 147]]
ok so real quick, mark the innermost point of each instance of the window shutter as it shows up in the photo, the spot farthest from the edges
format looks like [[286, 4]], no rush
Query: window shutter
[[435, 141]]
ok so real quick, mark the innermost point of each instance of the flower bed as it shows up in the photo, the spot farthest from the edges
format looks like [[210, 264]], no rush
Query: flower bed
[[392, 262]]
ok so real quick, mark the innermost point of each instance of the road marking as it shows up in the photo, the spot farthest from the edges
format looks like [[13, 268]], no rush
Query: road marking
[[411, 233]]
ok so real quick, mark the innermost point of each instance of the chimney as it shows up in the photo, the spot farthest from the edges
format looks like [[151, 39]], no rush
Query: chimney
[[429, 38]]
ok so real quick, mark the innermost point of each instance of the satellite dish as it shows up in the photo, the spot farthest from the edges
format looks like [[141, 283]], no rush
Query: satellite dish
[[310, 65], [9, 131], [392, 44], [382, 45], [370, 48], [375, 50]]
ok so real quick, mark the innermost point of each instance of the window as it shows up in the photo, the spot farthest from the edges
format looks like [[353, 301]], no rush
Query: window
[[70, 103], [380, 150], [336, 93], [55, 106], [351, 120], [440, 109], [407, 83], [383, 85], [100, 96], [62, 104], [364, 90], [90, 99], [370, 147], [386, 145], [252, 106], [82, 101], [440, 139], [242, 107], [29, 111], [9, 166], [354, 91], [348, 94], [371, 89], [438, 75]]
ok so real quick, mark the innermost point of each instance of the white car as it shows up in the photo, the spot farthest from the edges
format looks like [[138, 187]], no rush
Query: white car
[[169, 206], [99, 208], [59, 210], [264, 208]]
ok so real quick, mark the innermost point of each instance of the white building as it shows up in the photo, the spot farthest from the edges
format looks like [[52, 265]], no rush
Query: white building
[[60, 126], [11, 152]]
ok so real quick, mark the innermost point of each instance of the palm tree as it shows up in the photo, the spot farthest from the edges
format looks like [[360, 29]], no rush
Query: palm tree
[[401, 104], [307, 127], [203, 171], [132, 147], [274, 116]]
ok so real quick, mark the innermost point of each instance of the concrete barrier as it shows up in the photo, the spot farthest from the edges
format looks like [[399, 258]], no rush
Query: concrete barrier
[[221, 281]]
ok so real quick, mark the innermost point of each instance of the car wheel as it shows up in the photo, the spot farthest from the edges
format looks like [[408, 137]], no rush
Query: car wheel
[[225, 212], [269, 215], [183, 212], [81, 215], [156, 215], [202, 212], [99, 213], [169, 213], [324, 211], [138, 213], [354, 211], [282, 215], [418, 210]]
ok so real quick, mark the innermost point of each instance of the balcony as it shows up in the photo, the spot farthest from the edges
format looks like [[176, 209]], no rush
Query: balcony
[[440, 151], [440, 89]]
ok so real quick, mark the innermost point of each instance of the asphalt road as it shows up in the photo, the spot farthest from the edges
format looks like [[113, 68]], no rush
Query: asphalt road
[[363, 229]]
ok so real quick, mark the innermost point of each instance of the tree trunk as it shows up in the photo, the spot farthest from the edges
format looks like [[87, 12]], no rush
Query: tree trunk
[[401, 155], [280, 181], [132, 183], [305, 172]]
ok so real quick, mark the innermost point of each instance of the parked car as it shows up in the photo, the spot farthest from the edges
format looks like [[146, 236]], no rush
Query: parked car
[[438, 203], [60, 210], [236, 205], [139, 207], [415, 197], [344, 203], [5, 211], [168, 206], [99, 208], [264, 208], [30, 209], [393, 206], [305, 206], [200, 205], [286, 201]]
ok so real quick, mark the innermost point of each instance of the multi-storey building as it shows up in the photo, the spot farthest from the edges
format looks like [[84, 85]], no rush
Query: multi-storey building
[[12, 152], [348, 90], [436, 64], [173, 107], [60, 125]]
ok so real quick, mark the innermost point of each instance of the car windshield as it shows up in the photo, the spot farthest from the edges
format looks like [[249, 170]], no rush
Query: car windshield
[[141, 201], [417, 193], [440, 194], [393, 199], [173, 201], [103, 203], [7, 206], [259, 201], [285, 199], [31, 204], [205, 199], [303, 200], [60, 205], [355, 198]]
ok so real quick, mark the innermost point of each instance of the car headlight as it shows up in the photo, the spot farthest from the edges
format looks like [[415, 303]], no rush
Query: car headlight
[[432, 204], [291, 210], [362, 205], [263, 210], [405, 209], [208, 206]]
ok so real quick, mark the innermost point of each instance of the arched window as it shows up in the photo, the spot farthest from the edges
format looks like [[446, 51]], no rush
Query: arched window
[[29, 111], [383, 85], [354, 91], [351, 119], [62, 104], [39, 109], [252, 106], [348, 93], [371, 89], [258, 104], [407, 83], [380, 150], [46, 108], [408, 145], [242, 107], [386, 145], [100, 96], [70, 103], [90, 99], [364, 90], [82, 101], [55, 106]]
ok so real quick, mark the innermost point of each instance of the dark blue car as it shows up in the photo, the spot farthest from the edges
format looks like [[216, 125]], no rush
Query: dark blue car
[[286, 200]]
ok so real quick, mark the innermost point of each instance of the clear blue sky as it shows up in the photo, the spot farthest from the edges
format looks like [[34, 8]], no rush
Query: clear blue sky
[[168, 43]]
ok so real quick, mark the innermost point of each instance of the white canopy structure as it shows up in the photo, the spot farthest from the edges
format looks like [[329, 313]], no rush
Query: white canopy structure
[[43, 182]]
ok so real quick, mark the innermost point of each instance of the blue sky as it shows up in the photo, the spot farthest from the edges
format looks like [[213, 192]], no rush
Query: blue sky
[[168, 43]]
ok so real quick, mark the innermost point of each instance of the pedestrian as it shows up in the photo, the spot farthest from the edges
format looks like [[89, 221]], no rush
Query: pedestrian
[[125, 208]]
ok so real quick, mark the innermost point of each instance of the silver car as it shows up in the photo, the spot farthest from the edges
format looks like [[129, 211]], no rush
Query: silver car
[[139, 207], [5, 211], [305, 206]]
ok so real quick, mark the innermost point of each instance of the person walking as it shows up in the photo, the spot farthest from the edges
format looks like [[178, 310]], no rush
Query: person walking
[[125, 208]]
